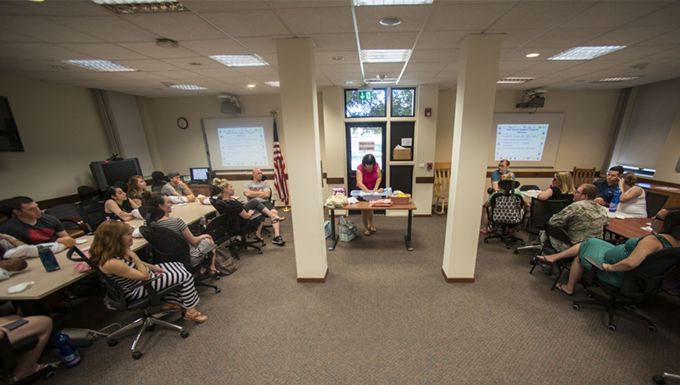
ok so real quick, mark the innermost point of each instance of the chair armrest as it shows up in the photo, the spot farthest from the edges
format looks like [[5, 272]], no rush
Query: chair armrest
[[78, 222], [210, 249], [590, 275], [153, 294]]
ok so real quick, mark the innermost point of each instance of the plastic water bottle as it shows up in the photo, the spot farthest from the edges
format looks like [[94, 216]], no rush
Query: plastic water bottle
[[69, 354], [203, 222], [47, 258], [614, 205]]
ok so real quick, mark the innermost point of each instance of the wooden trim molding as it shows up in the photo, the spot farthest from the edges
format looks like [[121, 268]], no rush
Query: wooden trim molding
[[421, 215], [313, 280], [457, 280], [424, 179], [339, 180], [47, 203]]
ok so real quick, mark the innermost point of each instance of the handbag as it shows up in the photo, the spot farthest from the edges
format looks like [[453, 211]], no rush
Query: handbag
[[347, 230], [224, 262]]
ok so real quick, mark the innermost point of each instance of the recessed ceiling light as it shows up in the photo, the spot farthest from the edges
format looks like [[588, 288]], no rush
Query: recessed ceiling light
[[616, 79], [533, 54], [359, 3], [195, 63], [100, 65], [251, 85], [240, 60], [337, 58], [187, 87], [349, 82], [586, 53], [167, 43], [385, 55], [390, 21], [273, 84], [514, 80]]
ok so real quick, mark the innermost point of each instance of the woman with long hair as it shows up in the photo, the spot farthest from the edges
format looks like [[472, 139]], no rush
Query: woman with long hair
[[561, 188], [111, 251], [118, 205], [136, 186], [633, 201], [369, 177]]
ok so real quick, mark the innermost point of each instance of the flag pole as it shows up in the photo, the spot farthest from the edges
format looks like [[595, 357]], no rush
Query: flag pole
[[280, 181]]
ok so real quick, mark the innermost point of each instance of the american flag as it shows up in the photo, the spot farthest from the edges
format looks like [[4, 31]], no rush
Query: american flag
[[279, 169]]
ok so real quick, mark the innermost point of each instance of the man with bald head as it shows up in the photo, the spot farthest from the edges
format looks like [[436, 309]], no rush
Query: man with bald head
[[258, 189]]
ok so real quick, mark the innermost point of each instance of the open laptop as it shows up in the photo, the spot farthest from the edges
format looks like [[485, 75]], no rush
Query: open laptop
[[200, 175]]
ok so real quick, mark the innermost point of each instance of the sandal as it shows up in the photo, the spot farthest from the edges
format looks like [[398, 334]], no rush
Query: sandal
[[197, 316], [367, 233], [170, 307], [373, 229], [279, 219]]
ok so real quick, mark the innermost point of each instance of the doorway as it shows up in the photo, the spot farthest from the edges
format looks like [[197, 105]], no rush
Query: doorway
[[362, 139]]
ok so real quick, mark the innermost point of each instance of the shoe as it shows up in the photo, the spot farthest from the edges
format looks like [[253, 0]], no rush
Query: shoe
[[278, 241], [279, 219], [541, 259], [483, 232], [367, 233], [373, 229], [196, 317], [559, 288]]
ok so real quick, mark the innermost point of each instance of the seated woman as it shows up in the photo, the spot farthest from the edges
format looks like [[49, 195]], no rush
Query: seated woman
[[561, 188], [118, 205], [632, 201], [136, 186], [27, 363], [617, 259], [197, 245], [111, 250], [369, 177], [245, 215], [485, 215]]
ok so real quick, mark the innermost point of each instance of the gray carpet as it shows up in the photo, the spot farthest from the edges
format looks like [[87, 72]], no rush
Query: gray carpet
[[385, 315]]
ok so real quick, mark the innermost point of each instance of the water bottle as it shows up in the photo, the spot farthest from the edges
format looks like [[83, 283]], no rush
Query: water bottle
[[204, 223], [69, 354], [47, 258], [614, 205]]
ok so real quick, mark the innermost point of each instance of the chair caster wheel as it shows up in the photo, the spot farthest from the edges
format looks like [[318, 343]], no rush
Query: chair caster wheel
[[218, 290], [486, 241], [112, 342], [658, 379], [259, 251], [137, 355], [49, 374], [217, 277], [575, 306], [651, 328], [151, 328], [184, 334], [515, 252], [611, 327]]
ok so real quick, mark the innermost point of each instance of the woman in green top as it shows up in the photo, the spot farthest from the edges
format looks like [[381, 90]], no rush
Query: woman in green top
[[617, 259]]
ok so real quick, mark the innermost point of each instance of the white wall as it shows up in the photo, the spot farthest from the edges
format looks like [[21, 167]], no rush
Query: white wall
[[61, 132]]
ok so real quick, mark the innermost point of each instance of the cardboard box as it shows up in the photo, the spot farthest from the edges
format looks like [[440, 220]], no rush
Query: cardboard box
[[401, 154], [400, 200]]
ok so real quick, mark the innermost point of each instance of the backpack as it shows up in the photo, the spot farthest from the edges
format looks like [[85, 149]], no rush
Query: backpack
[[224, 262]]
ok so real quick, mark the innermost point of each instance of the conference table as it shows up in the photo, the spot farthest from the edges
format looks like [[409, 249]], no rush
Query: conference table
[[48, 283], [627, 228], [364, 206]]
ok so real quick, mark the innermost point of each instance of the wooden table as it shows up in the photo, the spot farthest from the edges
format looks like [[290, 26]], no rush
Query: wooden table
[[363, 206], [47, 283], [628, 228]]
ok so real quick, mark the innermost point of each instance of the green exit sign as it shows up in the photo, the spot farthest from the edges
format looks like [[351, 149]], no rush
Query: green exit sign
[[366, 95]]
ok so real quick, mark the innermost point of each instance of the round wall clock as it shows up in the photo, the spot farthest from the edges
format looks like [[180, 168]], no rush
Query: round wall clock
[[182, 123]]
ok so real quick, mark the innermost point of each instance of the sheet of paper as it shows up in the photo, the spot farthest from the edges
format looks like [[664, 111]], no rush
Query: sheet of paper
[[406, 141]]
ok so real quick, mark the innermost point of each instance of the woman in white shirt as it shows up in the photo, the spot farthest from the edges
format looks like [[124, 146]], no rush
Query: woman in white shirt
[[632, 201]]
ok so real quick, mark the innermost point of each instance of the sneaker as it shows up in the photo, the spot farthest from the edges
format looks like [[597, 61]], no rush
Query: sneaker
[[278, 241]]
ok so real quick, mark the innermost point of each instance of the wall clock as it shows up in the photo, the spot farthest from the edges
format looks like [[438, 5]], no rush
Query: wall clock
[[182, 123]]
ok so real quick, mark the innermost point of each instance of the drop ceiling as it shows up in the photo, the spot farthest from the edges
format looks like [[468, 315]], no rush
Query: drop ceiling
[[36, 37]]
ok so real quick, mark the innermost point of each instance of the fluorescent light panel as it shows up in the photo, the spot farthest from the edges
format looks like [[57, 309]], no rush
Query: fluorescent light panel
[[273, 84], [187, 87], [385, 55], [240, 60], [514, 80], [100, 65], [586, 53], [133, 1], [358, 3], [380, 81], [618, 79]]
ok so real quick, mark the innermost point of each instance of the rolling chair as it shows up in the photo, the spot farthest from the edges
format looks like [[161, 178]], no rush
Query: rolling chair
[[541, 212], [122, 185], [10, 351], [87, 192], [529, 187], [158, 181], [115, 298], [169, 246], [234, 229], [639, 285], [92, 212], [67, 213], [548, 248], [505, 213], [654, 202]]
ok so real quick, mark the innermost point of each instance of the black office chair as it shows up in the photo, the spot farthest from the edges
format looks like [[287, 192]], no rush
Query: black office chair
[[548, 249], [122, 185], [158, 181], [529, 187], [638, 286], [214, 190], [68, 214], [169, 246], [217, 229], [541, 212], [92, 212], [654, 202], [115, 298], [236, 231], [10, 351], [505, 213]]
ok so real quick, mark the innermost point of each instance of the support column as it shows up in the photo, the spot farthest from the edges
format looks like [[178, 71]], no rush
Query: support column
[[303, 159], [475, 99]]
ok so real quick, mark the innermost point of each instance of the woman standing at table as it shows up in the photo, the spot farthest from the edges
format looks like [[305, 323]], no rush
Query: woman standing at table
[[616, 259], [632, 200], [369, 177], [111, 251], [118, 205], [136, 186], [561, 188]]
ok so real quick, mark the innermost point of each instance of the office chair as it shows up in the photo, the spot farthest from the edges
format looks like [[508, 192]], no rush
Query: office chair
[[115, 298], [541, 212], [548, 248], [660, 379], [529, 187], [639, 285], [655, 202], [505, 213], [169, 246], [10, 351], [122, 185], [158, 181], [234, 229], [68, 214], [92, 212], [87, 192]]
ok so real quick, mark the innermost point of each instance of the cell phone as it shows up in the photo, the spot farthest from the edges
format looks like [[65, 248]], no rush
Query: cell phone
[[15, 324]]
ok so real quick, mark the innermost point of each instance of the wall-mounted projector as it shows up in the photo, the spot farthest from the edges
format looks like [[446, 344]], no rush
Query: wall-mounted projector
[[231, 104], [532, 99]]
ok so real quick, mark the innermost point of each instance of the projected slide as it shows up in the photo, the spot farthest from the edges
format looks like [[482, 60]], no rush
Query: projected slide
[[243, 146], [522, 142]]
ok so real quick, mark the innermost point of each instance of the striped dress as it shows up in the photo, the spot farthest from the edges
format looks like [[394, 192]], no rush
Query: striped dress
[[186, 296]]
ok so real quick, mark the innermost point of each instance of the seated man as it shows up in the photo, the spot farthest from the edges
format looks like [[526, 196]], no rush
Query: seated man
[[581, 220], [485, 215], [606, 188], [28, 225], [177, 189], [259, 190], [503, 169]]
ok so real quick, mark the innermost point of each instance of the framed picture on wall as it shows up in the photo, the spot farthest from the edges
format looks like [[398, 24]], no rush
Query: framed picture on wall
[[9, 134]]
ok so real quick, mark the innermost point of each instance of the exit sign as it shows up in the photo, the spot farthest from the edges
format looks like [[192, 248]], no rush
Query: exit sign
[[366, 95]]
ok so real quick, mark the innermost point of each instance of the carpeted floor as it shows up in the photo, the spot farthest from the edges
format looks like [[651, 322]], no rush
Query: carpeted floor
[[384, 315]]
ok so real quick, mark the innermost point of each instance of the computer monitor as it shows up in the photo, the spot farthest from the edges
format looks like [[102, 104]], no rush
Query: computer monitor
[[200, 175]]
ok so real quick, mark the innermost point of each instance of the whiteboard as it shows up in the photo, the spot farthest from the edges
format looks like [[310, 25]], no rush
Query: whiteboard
[[237, 144], [526, 140]]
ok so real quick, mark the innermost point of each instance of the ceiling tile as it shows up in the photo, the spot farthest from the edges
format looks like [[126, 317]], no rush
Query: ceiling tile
[[441, 39], [104, 51], [543, 15], [334, 42], [107, 28], [317, 20], [261, 45], [216, 72], [39, 51], [420, 67], [148, 65], [248, 23], [630, 35], [308, 3], [44, 30], [201, 6], [215, 47], [175, 25], [670, 38], [54, 8], [566, 37], [338, 68], [397, 40], [465, 16], [324, 57], [668, 15], [14, 37], [612, 13], [433, 55], [154, 51], [185, 63]]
